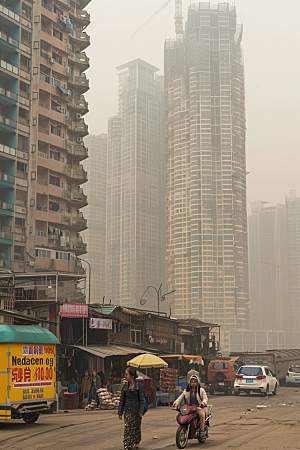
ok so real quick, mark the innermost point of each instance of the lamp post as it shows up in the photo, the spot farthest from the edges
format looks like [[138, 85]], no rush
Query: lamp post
[[158, 293], [90, 275]]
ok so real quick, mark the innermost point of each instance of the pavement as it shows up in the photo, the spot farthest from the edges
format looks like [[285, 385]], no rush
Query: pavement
[[243, 422]]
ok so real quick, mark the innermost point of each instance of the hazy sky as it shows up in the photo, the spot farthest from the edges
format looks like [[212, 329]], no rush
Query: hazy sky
[[272, 68]]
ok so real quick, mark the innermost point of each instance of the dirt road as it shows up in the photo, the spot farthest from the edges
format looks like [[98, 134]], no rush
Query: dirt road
[[236, 423]]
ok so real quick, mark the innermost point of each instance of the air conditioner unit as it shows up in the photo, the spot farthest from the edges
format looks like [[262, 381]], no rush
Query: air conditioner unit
[[59, 109], [31, 263], [78, 116], [78, 139], [63, 19], [51, 60]]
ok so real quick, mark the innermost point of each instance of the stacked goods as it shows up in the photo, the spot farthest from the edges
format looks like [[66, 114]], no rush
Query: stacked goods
[[148, 390], [107, 400], [168, 380], [69, 401]]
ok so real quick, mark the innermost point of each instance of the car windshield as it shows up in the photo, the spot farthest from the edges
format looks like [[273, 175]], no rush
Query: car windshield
[[219, 366], [294, 369], [250, 371]]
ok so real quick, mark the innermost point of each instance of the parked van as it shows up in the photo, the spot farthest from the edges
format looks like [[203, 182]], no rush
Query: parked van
[[221, 376]]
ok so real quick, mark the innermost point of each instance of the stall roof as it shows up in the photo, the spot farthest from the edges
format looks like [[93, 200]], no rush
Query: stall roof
[[195, 357], [26, 335], [104, 351]]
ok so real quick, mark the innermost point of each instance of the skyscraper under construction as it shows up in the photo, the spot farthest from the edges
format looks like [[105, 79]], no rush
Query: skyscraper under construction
[[207, 254]]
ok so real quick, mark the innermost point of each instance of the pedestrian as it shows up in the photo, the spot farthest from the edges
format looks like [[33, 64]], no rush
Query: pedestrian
[[132, 404], [85, 387], [95, 385]]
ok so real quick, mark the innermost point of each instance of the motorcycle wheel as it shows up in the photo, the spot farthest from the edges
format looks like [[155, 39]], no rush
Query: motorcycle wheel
[[182, 436], [30, 417]]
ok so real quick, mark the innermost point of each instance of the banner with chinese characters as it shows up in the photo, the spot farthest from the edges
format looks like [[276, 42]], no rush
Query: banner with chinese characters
[[32, 372], [103, 324], [75, 310]]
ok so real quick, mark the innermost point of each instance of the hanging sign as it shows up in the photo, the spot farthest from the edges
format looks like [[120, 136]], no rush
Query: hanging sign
[[102, 324], [74, 310]]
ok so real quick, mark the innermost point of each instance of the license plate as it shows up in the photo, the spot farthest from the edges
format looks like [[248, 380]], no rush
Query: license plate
[[249, 381], [297, 379], [222, 384]]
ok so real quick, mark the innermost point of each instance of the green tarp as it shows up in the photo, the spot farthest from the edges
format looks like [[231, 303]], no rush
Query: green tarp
[[26, 335]]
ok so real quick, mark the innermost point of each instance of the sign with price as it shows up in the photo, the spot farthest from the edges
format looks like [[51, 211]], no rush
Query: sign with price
[[32, 372], [102, 324]]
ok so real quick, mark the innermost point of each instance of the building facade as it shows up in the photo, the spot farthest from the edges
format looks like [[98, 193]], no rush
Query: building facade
[[56, 149], [95, 213], [206, 247], [15, 56], [135, 188], [292, 205], [268, 267]]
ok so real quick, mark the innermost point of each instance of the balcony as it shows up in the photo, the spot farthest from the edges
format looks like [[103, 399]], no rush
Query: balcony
[[78, 198], [6, 206], [81, 38], [8, 122], [9, 13], [78, 247], [42, 208], [78, 268], [9, 95], [80, 104], [7, 151], [9, 68], [81, 15], [76, 173], [79, 128], [79, 82], [79, 222], [78, 150], [5, 264], [79, 58], [6, 179], [6, 234], [9, 40], [44, 5]]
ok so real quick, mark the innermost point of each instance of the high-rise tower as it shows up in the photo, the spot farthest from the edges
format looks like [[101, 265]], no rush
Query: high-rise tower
[[95, 213], [135, 188], [206, 248]]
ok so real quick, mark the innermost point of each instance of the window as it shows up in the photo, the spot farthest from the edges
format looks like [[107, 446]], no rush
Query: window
[[55, 130], [22, 167], [219, 366], [57, 58], [20, 222], [54, 180], [57, 34], [250, 371], [25, 36], [24, 87], [53, 206]]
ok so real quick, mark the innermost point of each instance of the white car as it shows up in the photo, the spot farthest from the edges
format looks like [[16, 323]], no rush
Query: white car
[[255, 379], [293, 375]]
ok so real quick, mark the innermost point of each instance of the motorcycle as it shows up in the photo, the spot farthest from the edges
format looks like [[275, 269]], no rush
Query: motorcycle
[[189, 425]]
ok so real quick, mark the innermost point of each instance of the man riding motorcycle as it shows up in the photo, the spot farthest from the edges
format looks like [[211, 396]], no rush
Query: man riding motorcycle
[[194, 395]]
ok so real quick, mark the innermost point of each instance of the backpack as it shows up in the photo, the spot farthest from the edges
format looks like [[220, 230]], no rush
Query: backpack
[[146, 404]]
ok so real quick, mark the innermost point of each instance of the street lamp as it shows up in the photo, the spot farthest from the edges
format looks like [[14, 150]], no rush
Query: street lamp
[[90, 275], [159, 296]]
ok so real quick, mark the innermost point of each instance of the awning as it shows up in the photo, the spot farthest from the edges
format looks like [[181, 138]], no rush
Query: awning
[[104, 351]]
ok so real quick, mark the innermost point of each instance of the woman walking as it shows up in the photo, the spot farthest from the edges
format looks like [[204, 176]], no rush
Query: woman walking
[[132, 404]]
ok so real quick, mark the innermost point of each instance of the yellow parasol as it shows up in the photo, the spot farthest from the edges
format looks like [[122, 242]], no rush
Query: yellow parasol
[[147, 361]]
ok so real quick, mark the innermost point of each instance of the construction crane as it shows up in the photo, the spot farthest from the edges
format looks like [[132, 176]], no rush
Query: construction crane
[[178, 18]]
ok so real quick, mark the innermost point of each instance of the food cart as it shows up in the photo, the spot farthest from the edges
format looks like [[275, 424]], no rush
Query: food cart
[[27, 372]]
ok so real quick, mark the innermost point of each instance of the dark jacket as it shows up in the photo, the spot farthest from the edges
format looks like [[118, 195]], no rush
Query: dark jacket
[[132, 400], [97, 385]]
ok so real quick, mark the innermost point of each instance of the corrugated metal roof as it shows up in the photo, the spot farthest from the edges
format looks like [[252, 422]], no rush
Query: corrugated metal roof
[[103, 351]]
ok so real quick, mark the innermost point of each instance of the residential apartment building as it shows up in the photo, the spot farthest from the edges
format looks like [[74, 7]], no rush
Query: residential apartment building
[[135, 188], [206, 248], [268, 267], [42, 84], [292, 205], [57, 130], [15, 55], [95, 213]]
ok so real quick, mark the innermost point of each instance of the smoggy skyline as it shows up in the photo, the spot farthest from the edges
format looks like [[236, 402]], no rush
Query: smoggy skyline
[[272, 71]]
